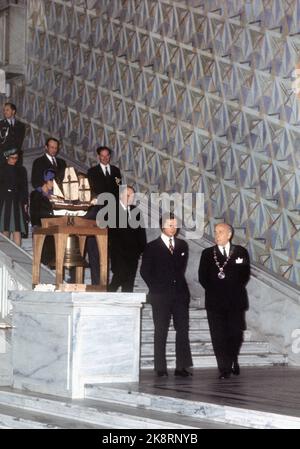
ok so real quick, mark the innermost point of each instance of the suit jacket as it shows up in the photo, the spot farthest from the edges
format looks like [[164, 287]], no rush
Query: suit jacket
[[163, 272], [40, 207], [43, 163], [15, 136], [127, 242], [229, 293], [99, 183]]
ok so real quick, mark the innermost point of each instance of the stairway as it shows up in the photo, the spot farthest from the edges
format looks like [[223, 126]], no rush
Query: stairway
[[253, 353], [24, 410]]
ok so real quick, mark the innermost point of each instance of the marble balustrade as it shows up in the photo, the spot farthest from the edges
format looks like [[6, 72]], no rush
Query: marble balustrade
[[63, 340]]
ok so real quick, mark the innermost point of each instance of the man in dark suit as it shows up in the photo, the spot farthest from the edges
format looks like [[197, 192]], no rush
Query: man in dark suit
[[103, 178], [224, 272], [12, 132], [163, 267], [48, 161], [127, 242]]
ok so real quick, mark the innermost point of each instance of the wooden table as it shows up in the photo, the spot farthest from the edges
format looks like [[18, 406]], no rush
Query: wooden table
[[60, 228]]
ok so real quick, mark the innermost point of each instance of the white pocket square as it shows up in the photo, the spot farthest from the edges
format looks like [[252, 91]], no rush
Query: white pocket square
[[239, 260]]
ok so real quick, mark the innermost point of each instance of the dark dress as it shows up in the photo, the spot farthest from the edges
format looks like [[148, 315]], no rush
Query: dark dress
[[41, 207], [13, 197]]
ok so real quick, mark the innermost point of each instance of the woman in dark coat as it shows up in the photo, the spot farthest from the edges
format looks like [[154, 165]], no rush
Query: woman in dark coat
[[41, 207], [13, 197]]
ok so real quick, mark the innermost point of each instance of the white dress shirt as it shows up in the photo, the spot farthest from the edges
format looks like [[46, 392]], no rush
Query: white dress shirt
[[51, 158], [227, 248], [104, 168], [166, 240]]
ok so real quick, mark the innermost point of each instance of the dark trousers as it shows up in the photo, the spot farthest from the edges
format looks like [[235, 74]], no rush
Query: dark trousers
[[162, 313], [226, 330], [124, 272], [92, 248], [94, 261]]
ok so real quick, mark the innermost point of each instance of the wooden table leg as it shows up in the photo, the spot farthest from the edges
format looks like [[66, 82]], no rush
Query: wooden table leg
[[102, 243], [60, 246], [38, 243]]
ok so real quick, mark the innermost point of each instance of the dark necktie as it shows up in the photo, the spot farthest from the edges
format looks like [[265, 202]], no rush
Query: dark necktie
[[54, 162], [171, 247], [106, 172], [224, 252]]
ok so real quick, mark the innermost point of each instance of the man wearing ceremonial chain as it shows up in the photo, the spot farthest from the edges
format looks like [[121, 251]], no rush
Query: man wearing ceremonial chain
[[224, 272]]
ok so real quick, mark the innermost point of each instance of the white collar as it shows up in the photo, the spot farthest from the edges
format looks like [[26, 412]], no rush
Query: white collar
[[227, 248], [50, 157], [166, 240], [104, 167]]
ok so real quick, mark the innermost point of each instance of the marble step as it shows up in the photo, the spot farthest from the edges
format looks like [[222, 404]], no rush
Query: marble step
[[202, 335], [205, 348], [97, 414], [194, 335], [215, 413], [194, 324], [209, 361], [16, 418], [194, 313]]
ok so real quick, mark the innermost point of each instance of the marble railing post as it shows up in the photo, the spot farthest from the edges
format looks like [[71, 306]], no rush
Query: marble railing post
[[4, 305], [8, 281], [64, 340]]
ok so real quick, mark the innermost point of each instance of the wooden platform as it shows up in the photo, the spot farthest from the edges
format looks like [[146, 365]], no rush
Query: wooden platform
[[267, 397], [268, 389]]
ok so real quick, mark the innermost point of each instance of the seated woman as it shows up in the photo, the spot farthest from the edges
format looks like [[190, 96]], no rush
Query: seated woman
[[13, 197], [41, 207]]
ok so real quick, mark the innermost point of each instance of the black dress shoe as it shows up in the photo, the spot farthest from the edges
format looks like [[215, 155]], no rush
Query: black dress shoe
[[224, 376], [182, 373], [236, 369], [162, 374]]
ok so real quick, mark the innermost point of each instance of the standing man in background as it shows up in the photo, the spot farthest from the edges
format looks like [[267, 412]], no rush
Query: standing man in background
[[127, 242], [103, 178], [48, 161], [224, 272], [163, 268], [12, 132]]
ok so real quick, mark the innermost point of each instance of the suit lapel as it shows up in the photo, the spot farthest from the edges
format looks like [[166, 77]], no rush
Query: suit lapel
[[100, 171], [47, 161]]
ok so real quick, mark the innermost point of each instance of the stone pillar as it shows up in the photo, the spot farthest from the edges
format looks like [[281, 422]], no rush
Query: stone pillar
[[64, 340], [4, 306]]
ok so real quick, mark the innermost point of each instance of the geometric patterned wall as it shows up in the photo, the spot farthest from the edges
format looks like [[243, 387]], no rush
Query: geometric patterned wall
[[192, 95]]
